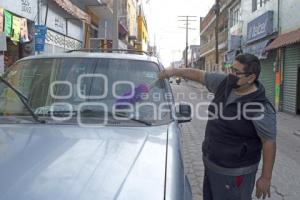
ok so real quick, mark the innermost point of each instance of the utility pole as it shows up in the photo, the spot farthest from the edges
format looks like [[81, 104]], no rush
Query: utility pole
[[187, 19], [115, 29], [217, 13]]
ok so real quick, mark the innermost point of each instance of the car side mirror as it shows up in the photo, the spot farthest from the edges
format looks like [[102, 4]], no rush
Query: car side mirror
[[184, 114], [171, 81]]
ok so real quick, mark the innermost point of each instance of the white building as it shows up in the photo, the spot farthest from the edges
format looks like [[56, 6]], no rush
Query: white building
[[270, 29]]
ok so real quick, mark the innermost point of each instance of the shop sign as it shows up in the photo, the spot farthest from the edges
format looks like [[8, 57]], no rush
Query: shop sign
[[258, 49], [40, 36], [16, 29], [24, 31], [8, 23], [59, 23], [260, 27], [24, 8]]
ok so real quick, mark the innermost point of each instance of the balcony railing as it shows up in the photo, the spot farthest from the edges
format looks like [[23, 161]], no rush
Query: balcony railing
[[223, 37]]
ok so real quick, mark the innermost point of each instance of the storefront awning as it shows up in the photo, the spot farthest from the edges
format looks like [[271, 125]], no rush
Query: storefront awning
[[258, 49], [285, 40], [73, 10]]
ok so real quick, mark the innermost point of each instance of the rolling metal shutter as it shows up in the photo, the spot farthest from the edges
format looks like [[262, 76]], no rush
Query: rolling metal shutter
[[267, 76], [290, 70]]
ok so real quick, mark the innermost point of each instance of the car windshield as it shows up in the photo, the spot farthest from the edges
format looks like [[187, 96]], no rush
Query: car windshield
[[91, 87]]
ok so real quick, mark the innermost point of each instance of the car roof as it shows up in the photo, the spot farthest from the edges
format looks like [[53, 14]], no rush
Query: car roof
[[126, 56]]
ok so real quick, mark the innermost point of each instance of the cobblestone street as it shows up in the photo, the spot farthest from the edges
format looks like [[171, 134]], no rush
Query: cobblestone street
[[286, 180]]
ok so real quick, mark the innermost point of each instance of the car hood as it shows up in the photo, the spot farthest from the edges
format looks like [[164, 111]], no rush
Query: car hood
[[69, 162]]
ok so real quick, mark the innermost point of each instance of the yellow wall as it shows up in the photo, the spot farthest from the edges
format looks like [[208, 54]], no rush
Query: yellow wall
[[132, 16], [143, 36]]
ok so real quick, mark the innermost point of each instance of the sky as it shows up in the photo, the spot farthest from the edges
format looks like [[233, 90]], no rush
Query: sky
[[163, 25]]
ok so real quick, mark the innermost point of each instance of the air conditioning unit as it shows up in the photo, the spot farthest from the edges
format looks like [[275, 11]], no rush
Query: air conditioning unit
[[96, 43]]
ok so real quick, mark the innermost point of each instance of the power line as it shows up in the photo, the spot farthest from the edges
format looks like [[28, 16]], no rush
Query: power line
[[187, 19]]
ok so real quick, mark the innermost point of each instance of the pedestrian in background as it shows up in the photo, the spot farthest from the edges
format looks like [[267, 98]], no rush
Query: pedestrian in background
[[232, 146]]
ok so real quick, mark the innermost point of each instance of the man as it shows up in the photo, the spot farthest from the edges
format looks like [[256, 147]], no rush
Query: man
[[232, 146]]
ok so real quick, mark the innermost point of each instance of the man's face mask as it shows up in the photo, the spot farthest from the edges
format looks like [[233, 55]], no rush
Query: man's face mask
[[232, 81]]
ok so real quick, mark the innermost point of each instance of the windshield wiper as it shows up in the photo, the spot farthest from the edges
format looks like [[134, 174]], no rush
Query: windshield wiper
[[92, 112], [23, 99], [60, 113]]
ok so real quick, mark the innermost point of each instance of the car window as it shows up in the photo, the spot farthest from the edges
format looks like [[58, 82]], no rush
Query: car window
[[65, 84]]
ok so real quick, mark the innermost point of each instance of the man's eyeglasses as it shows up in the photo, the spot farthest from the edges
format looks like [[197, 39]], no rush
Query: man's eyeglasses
[[237, 72]]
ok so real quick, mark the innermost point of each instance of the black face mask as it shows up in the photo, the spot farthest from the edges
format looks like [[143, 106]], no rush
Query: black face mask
[[232, 81]]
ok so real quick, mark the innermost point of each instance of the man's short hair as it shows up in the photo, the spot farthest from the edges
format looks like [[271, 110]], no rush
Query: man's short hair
[[251, 63]]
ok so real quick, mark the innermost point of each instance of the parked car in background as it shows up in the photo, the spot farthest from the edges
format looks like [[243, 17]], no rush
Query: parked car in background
[[62, 137]]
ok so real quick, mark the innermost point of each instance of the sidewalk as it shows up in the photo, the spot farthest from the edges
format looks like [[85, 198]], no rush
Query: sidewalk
[[286, 175], [291, 123]]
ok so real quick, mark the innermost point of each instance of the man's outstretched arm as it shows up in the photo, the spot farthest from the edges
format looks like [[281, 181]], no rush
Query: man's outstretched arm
[[191, 74]]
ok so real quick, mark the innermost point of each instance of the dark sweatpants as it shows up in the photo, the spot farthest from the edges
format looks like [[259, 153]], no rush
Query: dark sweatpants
[[222, 187]]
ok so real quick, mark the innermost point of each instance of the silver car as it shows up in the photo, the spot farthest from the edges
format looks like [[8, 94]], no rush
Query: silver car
[[77, 126]]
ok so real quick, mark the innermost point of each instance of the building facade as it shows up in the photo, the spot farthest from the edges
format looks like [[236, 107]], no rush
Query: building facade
[[65, 30], [132, 10], [208, 39], [15, 11], [143, 37], [71, 24], [128, 22], [127, 19], [235, 33], [67, 23], [102, 23], [269, 29], [260, 25], [193, 56], [287, 66]]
